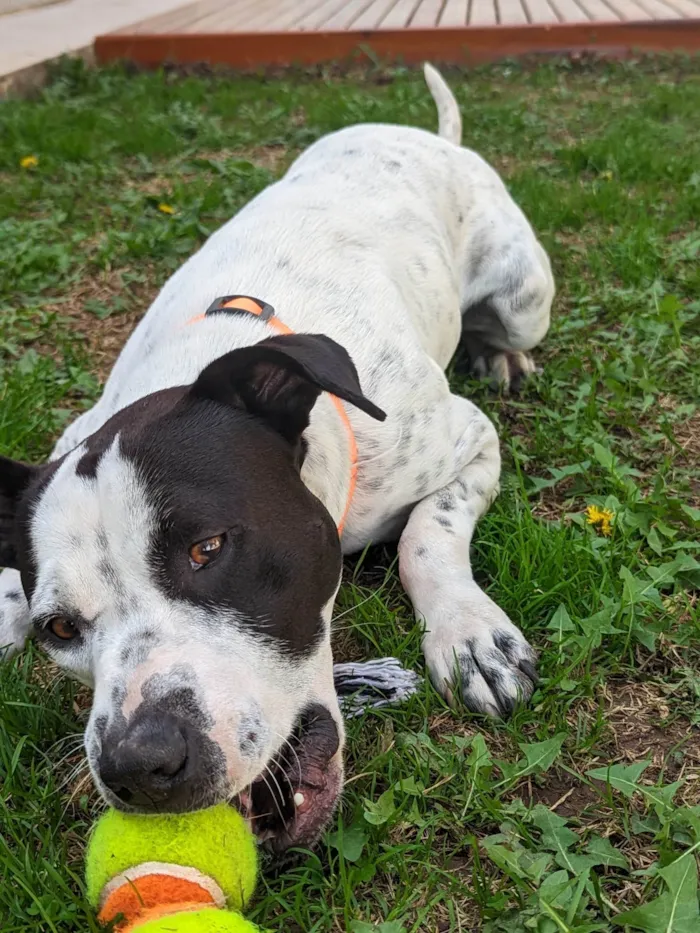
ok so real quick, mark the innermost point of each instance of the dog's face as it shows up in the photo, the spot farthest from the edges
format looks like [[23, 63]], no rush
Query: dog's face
[[176, 562]]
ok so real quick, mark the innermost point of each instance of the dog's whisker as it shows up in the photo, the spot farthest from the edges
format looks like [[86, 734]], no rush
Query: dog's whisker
[[272, 793], [286, 742]]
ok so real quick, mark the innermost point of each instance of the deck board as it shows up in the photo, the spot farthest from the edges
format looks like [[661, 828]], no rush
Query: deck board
[[540, 11], [371, 16], [346, 14], [483, 13], [311, 15], [255, 33], [454, 13], [427, 14], [511, 12]]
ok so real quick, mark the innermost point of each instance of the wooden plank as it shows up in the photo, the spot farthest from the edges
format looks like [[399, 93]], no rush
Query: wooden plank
[[454, 13], [472, 45], [399, 15], [427, 13], [569, 11], [174, 19], [660, 10], [510, 12], [630, 10], [540, 11], [308, 16], [372, 16], [691, 8], [225, 17], [346, 14], [483, 13], [312, 17], [599, 11]]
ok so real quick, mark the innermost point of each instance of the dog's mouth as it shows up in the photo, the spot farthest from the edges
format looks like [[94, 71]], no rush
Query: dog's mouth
[[292, 801]]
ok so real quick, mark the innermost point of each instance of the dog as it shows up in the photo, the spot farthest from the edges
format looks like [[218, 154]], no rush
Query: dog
[[284, 401]]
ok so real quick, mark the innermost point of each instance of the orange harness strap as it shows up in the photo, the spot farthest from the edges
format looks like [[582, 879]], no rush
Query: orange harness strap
[[247, 305]]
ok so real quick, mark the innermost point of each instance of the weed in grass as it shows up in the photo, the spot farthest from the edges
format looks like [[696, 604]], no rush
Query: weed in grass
[[581, 814]]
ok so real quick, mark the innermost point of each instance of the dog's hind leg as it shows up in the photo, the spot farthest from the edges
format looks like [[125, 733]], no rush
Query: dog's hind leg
[[470, 645], [506, 306], [15, 624]]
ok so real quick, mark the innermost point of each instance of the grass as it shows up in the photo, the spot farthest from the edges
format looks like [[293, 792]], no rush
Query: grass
[[582, 814]]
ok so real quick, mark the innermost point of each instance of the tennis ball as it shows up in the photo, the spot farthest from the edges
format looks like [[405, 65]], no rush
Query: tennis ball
[[208, 920], [216, 842]]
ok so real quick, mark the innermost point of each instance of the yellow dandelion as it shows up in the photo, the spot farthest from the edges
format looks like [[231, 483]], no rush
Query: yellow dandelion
[[607, 175], [601, 519], [166, 208], [29, 161]]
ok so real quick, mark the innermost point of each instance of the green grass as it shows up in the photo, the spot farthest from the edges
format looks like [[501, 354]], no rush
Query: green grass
[[587, 804]]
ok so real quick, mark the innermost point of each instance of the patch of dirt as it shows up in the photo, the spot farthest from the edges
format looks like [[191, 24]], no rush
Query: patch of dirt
[[563, 794], [639, 717], [687, 435], [105, 338], [274, 159]]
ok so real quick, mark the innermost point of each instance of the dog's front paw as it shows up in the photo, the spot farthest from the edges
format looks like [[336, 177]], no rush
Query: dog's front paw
[[506, 370], [476, 652]]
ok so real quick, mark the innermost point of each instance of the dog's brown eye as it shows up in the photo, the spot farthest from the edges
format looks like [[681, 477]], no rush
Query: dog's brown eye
[[62, 628], [204, 552]]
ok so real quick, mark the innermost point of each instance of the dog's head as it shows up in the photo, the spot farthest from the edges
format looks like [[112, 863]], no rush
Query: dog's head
[[177, 562]]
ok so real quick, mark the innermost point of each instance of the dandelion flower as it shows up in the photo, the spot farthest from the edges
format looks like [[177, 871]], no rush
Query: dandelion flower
[[601, 519], [166, 208], [29, 161]]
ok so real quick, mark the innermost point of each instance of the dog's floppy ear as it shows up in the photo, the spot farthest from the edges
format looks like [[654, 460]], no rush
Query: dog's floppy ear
[[14, 479], [279, 380]]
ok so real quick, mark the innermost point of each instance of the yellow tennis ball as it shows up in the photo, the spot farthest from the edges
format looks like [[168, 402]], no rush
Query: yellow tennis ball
[[208, 920], [216, 842]]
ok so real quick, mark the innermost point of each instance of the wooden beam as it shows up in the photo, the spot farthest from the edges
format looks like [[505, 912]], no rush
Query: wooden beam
[[459, 45]]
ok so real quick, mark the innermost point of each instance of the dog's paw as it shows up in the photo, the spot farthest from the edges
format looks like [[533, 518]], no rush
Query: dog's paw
[[477, 653], [506, 370]]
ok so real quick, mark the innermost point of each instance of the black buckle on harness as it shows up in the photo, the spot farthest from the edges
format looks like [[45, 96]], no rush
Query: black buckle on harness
[[217, 307]]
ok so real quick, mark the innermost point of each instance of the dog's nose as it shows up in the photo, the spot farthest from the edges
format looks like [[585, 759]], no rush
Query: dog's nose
[[150, 763]]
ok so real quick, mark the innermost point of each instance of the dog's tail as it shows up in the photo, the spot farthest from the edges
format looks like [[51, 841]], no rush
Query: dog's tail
[[449, 118]]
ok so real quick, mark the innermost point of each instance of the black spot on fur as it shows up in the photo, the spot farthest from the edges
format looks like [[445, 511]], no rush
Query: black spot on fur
[[421, 551], [422, 482], [443, 522], [445, 501], [250, 736], [462, 490], [110, 577], [13, 595]]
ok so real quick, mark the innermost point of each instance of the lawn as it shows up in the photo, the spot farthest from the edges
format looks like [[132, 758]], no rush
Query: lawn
[[582, 813]]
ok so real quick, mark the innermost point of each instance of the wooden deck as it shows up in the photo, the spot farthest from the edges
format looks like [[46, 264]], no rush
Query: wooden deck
[[254, 33]]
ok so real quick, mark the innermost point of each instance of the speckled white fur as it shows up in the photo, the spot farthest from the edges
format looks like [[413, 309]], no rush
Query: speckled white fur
[[381, 237]]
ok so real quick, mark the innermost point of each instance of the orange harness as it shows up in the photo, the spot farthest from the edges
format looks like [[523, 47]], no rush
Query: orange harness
[[242, 304]]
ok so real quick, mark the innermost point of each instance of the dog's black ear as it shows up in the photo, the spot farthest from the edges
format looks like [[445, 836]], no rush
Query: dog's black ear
[[15, 477], [279, 380]]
